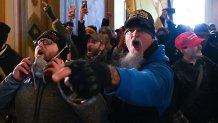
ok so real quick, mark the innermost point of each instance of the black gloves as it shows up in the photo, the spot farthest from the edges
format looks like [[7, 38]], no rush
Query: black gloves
[[50, 13], [89, 78]]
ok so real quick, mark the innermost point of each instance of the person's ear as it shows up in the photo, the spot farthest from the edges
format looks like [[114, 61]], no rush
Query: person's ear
[[181, 50], [102, 47]]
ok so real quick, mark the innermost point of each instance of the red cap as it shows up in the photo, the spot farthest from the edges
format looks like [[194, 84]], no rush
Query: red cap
[[187, 39]]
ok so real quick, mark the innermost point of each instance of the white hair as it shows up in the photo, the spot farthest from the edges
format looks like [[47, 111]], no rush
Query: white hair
[[132, 60]]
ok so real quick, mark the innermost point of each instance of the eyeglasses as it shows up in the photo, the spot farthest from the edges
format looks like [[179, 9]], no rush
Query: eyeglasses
[[45, 41]]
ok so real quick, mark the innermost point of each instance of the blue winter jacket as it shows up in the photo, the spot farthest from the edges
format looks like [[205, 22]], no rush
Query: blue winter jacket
[[152, 86]]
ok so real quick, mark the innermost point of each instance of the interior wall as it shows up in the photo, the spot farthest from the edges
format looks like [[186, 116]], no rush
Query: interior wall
[[27, 20], [130, 6], [10, 18], [152, 6], [211, 15], [109, 7], [159, 5], [2, 10]]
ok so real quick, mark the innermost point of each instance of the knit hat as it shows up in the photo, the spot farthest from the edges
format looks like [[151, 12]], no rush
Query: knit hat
[[91, 29], [106, 30], [4, 30], [202, 29], [69, 23], [97, 37], [141, 18], [187, 39], [56, 38]]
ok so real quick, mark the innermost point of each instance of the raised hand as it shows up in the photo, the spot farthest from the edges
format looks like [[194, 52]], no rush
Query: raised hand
[[48, 10], [165, 14], [44, 4], [52, 67], [83, 12], [71, 13], [61, 74], [22, 70], [108, 15]]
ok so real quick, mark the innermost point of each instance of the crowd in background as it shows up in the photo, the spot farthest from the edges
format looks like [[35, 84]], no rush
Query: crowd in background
[[135, 73]]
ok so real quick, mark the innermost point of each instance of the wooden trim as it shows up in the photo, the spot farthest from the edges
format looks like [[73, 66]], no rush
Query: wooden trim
[[109, 7], [56, 9], [19, 26], [130, 6], [106, 5], [2, 10]]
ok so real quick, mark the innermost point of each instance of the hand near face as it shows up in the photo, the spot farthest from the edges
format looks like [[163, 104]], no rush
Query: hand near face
[[22, 70], [44, 4], [83, 11], [52, 67], [61, 74]]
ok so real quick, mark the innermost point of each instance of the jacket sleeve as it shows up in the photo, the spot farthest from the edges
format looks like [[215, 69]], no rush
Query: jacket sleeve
[[81, 38], [57, 26], [153, 86], [8, 88], [105, 22]]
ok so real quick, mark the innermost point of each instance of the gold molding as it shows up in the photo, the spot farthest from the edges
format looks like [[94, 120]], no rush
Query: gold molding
[[2, 10], [130, 6]]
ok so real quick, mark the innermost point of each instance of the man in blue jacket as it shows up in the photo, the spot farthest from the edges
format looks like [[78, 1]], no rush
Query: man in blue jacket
[[142, 85]]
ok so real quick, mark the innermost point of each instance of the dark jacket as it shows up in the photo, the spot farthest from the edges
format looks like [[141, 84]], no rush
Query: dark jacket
[[144, 95], [211, 52], [9, 59], [203, 105], [43, 104]]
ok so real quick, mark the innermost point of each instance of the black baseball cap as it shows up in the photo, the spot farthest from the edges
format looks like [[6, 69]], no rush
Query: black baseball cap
[[141, 18]]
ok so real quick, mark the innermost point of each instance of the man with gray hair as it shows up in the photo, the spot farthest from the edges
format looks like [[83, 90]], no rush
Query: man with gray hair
[[142, 87]]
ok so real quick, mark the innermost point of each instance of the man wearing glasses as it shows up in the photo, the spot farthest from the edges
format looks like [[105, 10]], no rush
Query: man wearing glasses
[[36, 98]]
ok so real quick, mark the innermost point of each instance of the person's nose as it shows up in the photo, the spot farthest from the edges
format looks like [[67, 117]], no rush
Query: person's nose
[[200, 46], [89, 44], [135, 33], [40, 43]]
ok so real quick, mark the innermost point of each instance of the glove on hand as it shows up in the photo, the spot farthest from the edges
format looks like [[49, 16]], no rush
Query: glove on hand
[[89, 78], [48, 10]]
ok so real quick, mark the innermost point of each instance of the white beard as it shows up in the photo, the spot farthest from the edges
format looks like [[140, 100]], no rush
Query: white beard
[[132, 61]]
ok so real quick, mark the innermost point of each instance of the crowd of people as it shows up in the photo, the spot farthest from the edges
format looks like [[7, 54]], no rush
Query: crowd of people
[[141, 75]]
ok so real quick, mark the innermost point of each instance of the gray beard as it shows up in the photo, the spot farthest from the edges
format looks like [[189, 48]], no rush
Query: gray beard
[[132, 61]]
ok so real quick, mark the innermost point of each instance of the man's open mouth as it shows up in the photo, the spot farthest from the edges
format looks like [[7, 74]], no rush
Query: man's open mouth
[[89, 50], [136, 44], [40, 52]]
